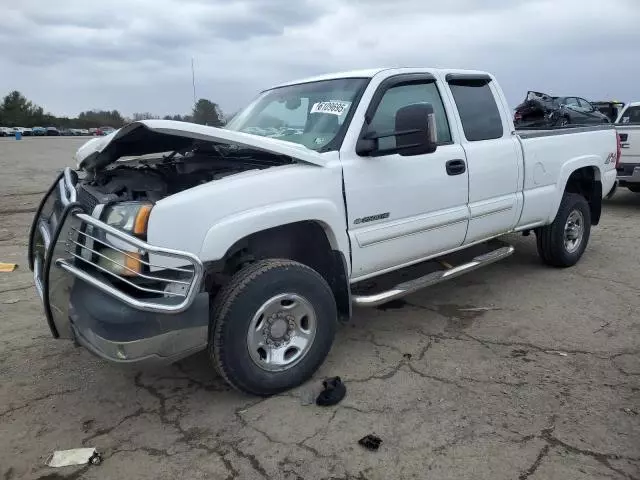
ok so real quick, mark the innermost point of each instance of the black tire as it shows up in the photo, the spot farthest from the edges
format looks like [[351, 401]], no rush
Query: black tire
[[551, 238], [236, 305], [634, 188], [563, 121]]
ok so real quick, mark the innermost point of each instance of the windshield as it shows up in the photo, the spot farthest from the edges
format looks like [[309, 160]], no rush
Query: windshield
[[311, 114]]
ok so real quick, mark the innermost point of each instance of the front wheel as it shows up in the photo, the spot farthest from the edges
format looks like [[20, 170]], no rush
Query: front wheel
[[562, 243], [272, 326]]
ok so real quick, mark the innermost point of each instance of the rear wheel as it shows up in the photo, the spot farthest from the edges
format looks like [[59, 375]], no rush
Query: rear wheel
[[563, 121], [272, 326], [562, 243]]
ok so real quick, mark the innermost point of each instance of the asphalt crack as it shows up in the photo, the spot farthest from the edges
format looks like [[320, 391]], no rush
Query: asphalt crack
[[532, 469], [15, 289], [37, 399]]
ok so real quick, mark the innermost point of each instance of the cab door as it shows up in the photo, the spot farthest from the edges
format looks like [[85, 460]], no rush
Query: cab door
[[404, 208]]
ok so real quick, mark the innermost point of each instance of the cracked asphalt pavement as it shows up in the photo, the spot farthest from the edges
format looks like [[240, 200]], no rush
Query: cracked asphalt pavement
[[515, 371]]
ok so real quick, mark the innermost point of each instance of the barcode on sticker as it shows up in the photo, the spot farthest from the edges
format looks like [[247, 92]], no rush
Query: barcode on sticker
[[335, 107]]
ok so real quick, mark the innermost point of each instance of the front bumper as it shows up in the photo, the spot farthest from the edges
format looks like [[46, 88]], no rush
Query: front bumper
[[156, 316], [628, 174]]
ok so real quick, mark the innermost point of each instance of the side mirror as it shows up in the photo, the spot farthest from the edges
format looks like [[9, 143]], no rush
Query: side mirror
[[415, 133]]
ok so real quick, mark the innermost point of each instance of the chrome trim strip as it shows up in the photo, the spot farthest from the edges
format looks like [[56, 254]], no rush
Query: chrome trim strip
[[46, 235], [37, 273], [71, 188], [493, 212], [66, 188], [409, 233], [432, 278]]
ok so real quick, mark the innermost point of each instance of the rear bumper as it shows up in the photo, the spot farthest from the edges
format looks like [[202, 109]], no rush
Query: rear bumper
[[123, 319], [628, 173]]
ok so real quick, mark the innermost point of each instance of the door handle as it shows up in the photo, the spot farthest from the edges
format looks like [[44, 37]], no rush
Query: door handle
[[456, 167]]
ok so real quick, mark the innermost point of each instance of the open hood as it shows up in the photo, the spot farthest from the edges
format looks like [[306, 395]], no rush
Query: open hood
[[155, 136]]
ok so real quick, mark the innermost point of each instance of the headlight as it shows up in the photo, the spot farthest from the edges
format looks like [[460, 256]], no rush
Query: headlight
[[130, 217]]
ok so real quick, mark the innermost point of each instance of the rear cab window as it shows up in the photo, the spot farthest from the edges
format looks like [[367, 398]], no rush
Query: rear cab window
[[477, 106], [631, 116]]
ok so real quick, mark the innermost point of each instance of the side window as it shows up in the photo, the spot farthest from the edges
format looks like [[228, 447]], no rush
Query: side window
[[384, 120], [585, 106], [478, 110], [572, 102]]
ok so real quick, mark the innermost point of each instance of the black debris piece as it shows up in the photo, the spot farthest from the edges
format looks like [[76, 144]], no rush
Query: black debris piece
[[334, 391], [370, 442], [95, 459]]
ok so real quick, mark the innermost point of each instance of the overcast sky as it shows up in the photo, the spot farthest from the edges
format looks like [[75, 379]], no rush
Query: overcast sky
[[135, 56]]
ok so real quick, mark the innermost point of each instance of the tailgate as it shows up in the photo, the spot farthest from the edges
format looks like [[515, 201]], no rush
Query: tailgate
[[629, 143]]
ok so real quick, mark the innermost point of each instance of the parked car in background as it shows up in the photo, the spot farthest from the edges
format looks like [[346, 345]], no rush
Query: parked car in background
[[101, 131], [27, 132], [394, 168], [542, 110], [52, 131], [39, 131], [628, 126], [611, 109], [83, 131], [6, 131], [92, 131]]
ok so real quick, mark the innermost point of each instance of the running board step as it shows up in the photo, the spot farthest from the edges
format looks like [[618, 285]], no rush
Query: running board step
[[405, 288]]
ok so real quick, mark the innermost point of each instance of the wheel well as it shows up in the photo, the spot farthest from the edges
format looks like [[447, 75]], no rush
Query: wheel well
[[586, 182], [305, 242]]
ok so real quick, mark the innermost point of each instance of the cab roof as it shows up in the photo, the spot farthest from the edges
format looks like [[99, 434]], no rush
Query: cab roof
[[372, 72]]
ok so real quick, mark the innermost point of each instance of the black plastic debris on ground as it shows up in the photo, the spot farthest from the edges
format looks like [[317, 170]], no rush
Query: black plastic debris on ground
[[370, 442], [334, 391]]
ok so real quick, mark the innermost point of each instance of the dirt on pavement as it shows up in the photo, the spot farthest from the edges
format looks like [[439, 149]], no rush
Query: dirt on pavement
[[516, 371]]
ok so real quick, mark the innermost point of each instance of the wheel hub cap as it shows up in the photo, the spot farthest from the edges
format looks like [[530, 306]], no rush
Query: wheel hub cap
[[573, 231], [281, 332]]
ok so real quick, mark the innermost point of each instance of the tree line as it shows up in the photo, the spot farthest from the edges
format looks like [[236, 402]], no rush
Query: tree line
[[17, 111]]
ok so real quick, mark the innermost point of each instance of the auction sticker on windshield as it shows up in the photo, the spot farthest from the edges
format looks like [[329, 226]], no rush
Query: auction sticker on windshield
[[334, 107]]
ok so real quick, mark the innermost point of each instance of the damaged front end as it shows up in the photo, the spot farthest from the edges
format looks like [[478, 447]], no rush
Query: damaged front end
[[100, 281], [111, 291], [538, 110]]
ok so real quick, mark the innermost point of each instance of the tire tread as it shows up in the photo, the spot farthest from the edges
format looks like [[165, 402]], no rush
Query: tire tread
[[225, 300]]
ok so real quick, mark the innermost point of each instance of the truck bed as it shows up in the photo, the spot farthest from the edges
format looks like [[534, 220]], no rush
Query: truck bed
[[534, 132], [551, 155]]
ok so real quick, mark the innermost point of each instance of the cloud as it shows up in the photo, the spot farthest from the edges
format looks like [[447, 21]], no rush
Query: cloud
[[136, 56]]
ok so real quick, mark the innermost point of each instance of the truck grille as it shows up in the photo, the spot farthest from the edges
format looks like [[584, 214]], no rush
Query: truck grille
[[86, 199]]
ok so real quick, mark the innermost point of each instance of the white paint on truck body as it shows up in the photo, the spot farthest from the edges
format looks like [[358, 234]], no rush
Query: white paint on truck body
[[382, 212]]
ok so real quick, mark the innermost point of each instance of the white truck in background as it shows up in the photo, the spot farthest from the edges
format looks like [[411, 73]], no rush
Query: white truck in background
[[252, 241], [628, 127]]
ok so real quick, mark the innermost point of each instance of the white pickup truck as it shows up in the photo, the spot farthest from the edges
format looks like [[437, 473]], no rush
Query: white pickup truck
[[252, 241], [628, 127]]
